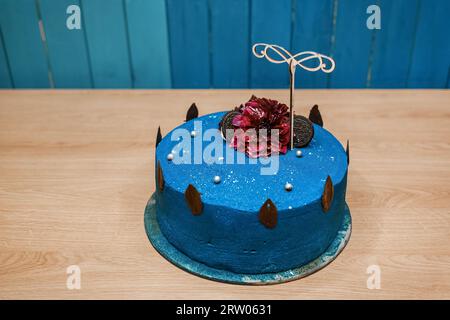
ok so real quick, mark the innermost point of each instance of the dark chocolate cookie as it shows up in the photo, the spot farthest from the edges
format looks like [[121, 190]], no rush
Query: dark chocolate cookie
[[303, 131], [227, 122]]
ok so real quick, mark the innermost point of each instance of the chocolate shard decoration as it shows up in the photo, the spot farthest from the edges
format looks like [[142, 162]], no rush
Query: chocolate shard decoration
[[253, 97], [327, 196], [160, 177], [315, 116], [192, 112], [268, 214], [347, 151], [193, 200], [158, 137]]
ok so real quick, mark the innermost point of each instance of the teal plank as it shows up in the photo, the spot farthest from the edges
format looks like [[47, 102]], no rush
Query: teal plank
[[149, 46], [107, 41], [189, 43], [5, 74], [67, 48], [430, 63], [448, 77], [231, 50], [313, 29], [20, 28], [271, 23], [394, 44], [352, 44]]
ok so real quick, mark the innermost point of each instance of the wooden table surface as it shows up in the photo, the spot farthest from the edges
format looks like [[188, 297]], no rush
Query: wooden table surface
[[76, 170]]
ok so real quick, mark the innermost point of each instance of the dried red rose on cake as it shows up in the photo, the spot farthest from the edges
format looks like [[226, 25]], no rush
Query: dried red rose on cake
[[251, 118]]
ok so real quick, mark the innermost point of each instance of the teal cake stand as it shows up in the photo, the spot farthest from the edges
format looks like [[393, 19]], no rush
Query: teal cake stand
[[182, 261]]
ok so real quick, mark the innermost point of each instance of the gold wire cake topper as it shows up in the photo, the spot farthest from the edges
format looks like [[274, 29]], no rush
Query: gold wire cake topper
[[324, 63]]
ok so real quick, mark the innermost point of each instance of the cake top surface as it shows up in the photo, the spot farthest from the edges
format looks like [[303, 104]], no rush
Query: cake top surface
[[242, 185]]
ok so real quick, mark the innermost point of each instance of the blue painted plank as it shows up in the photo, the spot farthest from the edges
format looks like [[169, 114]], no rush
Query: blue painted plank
[[430, 63], [231, 50], [352, 44], [20, 28], [313, 29], [448, 77], [67, 48], [107, 41], [5, 74], [189, 43], [271, 23], [394, 44], [149, 44]]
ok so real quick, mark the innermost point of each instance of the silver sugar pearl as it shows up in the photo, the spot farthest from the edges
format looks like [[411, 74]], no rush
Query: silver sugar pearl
[[298, 153], [193, 134], [170, 156], [216, 179], [288, 186]]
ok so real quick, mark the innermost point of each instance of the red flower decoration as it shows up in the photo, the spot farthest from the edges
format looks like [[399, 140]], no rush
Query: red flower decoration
[[259, 114]]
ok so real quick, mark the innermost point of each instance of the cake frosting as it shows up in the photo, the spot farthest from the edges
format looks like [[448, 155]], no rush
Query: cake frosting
[[228, 233]]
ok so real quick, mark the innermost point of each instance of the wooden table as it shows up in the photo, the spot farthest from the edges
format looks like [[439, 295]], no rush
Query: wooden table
[[76, 170]]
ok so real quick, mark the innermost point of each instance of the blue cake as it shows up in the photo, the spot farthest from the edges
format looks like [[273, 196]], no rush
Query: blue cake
[[231, 216]]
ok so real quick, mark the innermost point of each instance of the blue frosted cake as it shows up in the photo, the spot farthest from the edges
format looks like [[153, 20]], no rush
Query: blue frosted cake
[[250, 210]]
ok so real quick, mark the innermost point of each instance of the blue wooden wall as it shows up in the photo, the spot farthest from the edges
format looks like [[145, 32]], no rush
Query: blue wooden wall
[[207, 43]]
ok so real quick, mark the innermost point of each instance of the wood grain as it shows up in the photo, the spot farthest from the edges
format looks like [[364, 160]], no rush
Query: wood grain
[[77, 168]]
